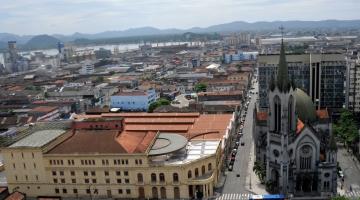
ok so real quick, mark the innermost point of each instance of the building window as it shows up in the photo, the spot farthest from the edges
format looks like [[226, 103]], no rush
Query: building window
[[14, 165], [73, 180], [140, 162], [127, 180], [163, 192], [62, 180], [162, 177], [106, 173], [175, 177], [86, 173], [87, 180], [93, 173], [154, 193], [196, 172], [176, 193], [37, 177], [26, 177], [153, 177], [75, 191], [34, 165], [94, 180], [55, 180], [54, 173], [203, 169], [126, 173], [128, 191], [277, 115], [189, 174], [120, 191], [57, 191], [140, 178], [209, 167], [61, 173], [87, 191], [305, 157], [107, 181], [72, 173], [64, 190], [118, 180], [118, 173]]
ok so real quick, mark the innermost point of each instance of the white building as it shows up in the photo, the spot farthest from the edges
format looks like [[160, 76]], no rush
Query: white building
[[87, 68]]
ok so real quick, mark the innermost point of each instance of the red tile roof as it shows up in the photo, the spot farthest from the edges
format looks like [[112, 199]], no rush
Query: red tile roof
[[44, 109], [15, 196], [299, 126], [261, 116], [322, 114], [140, 129]]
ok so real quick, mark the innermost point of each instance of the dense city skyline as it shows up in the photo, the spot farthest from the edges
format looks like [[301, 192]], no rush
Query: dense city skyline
[[66, 17]]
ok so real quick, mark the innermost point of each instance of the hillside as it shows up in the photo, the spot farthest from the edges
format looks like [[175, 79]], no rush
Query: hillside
[[41, 42]]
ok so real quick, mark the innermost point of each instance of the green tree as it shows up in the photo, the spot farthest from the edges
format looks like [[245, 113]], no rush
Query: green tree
[[345, 128], [259, 170], [200, 87], [158, 103], [339, 198]]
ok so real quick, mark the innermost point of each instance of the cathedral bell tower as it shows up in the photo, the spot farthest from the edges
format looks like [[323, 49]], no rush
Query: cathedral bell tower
[[281, 125]]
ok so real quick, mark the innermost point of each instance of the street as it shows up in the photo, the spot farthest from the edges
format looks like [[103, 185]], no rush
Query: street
[[351, 169], [235, 187]]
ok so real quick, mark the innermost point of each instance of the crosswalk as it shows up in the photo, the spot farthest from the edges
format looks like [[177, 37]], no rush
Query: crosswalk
[[354, 194], [234, 196]]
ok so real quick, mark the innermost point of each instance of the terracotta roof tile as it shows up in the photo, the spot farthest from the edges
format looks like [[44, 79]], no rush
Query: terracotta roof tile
[[261, 116], [322, 114], [299, 127], [44, 109]]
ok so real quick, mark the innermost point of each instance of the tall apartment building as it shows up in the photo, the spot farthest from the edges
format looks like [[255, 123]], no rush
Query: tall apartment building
[[121, 156], [321, 76], [353, 82]]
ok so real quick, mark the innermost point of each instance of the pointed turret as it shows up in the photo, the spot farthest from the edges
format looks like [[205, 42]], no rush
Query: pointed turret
[[282, 81]]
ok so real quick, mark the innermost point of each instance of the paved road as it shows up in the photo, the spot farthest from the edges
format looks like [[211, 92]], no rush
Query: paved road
[[234, 184], [351, 172]]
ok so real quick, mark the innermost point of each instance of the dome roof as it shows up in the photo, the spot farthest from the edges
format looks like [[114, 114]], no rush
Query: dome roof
[[304, 106]]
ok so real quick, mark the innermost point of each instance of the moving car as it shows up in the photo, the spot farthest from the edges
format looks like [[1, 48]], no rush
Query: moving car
[[230, 168], [242, 143]]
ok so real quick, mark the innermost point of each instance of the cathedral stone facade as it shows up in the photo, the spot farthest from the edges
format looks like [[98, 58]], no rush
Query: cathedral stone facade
[[294, 141]]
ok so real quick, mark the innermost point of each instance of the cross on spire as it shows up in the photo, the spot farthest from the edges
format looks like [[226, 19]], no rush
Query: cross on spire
[[282, 31]]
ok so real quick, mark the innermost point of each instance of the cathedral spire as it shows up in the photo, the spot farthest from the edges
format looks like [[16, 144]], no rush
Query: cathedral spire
[[282, 81]]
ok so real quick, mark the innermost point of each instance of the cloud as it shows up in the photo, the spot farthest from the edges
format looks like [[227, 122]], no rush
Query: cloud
[[90, 16]]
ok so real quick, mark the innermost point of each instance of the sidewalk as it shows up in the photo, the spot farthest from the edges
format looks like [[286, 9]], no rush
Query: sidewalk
[[252, 181]]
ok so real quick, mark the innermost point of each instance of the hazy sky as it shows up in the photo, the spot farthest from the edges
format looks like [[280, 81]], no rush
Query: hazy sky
[[91, 16]]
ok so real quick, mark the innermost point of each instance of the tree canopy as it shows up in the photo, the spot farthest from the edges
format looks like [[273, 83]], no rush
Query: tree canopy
[[346, 129], [158, 103], [200, 87]]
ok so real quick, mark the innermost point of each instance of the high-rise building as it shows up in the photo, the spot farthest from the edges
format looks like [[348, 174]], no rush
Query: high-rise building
[[321, 76], [353, 82], [294, 141]]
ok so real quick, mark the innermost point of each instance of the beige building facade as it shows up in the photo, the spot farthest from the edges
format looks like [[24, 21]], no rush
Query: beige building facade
[[105, 163]]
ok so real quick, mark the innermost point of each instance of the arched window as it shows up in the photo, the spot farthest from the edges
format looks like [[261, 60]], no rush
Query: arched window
[[277, 114], [209, 167], [154, 193], [141, 193], [196, 172], [162, 177], [176, 193], [153, 177], [203, 169], [306, 157], [189, 174], [140, 177], [290, 114], [175, 177], [163, 192]]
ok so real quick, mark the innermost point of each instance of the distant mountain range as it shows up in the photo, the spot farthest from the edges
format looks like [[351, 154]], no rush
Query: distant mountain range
[[28, 41]]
